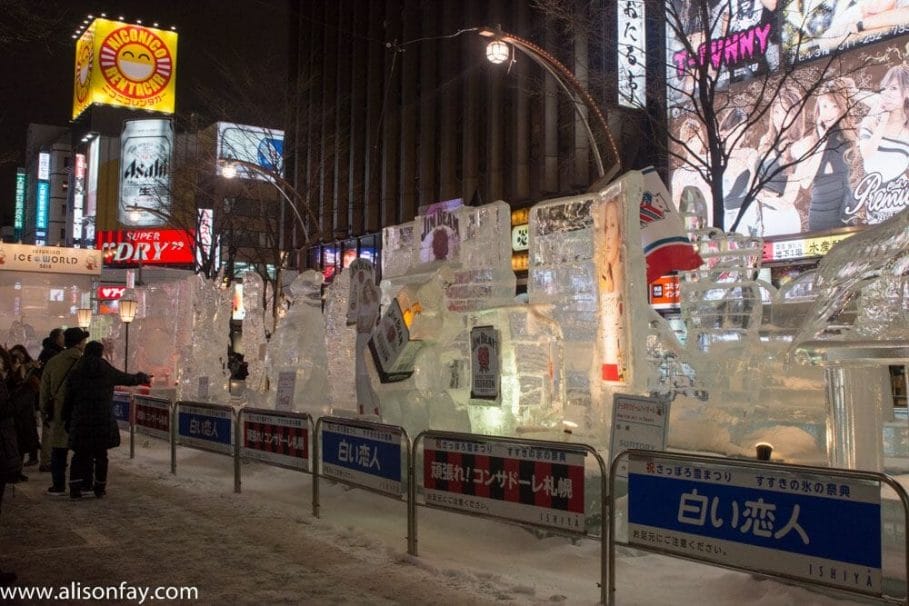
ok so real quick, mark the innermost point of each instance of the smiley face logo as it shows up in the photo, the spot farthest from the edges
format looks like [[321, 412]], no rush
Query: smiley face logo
[[84, 60], [135, 62]]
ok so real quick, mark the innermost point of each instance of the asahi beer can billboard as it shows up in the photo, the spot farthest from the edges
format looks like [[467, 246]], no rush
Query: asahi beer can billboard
[[145, 157]]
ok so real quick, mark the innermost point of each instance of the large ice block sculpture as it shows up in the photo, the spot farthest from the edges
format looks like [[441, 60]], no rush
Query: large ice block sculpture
[[254, 324]]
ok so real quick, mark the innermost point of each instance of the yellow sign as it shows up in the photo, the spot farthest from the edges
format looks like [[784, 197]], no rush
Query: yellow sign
[[126, 65]]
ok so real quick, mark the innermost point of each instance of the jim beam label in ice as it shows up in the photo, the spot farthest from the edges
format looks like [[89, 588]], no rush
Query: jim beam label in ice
[[484, 363], [145, 157]]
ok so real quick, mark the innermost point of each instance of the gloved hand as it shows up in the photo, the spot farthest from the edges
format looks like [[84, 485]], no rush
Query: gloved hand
[[143, 378]]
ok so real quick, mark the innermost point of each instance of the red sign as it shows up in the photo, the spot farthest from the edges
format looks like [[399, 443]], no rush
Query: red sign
[[664, 292], [150, 246], [110, 293]]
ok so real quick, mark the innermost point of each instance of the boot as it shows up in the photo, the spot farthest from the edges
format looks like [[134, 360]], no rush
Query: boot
[[100, 489], [75, 490]]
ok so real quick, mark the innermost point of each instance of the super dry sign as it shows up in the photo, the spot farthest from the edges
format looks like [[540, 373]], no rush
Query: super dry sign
[[125, 64], [148, 246]]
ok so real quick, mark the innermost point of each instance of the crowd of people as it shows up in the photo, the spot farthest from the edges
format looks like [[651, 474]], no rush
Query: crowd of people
[[70, 388]]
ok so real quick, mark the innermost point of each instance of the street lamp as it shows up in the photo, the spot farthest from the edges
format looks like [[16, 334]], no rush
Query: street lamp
[[497, 51], [84, 317], [127, 307]]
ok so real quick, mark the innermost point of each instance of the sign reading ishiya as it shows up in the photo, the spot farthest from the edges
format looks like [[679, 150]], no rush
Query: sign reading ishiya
[[125, 64]]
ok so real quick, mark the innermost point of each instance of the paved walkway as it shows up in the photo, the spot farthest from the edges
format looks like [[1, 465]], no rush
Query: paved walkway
[[147, 533]]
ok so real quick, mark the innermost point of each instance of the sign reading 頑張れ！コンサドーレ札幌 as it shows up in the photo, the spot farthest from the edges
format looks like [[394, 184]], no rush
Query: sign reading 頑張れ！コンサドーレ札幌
[[49, 259]]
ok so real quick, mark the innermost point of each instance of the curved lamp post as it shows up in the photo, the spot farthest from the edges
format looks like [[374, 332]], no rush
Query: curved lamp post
[[127, 308], [498, 51]]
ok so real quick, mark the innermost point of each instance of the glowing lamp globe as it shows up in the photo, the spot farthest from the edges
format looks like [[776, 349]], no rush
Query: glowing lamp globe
[[497, 52]]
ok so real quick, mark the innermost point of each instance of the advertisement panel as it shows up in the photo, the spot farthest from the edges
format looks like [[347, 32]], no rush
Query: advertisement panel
[[152, 417], [542, 486], [121, 406], [609, 245], [126, 65], [844, 154], [205, 428], [824, 528], [632, 55], [49, 259], [42, 205], [440, 239], [262, 147], [277, 439], [150, 246], [484, 363], [19, 213], [815, 29], [363, 456], [78, 197], [145, 157], [43, 166]]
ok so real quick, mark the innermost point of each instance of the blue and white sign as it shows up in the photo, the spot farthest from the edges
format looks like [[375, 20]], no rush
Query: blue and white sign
[[43, 206], [821, 528], [363, 456], [262, 147], [205, 428], [121, 406]]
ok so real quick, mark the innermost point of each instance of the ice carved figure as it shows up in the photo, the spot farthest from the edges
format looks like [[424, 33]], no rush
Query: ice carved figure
[[857, 328], [340, 345], [206, 354], [298, 346]]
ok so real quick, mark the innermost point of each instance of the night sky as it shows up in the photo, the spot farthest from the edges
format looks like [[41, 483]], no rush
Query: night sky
[[214, 37]]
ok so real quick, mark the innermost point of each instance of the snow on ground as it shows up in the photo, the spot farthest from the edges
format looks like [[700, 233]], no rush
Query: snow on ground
[[483, 559]]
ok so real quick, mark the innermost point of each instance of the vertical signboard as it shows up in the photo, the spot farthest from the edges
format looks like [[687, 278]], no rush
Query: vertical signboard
[[42, 208], [525, 483], [145, 158], [609, 244], [632, 54], [823, 528], [44, 166], [356, 454], [126, 65], [637, 422], [19, 213], [78, 197]]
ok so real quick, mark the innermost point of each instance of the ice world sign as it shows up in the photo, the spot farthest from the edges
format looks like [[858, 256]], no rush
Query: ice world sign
[[205, 427], [820, 528], [363, 456], [541, 486]]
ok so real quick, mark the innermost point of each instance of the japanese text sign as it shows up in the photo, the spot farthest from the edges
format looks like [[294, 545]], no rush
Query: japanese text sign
[[279, 439], [205, 428], [152, 417], [363, 456], [637, 422], [541, 486], [826, 529]]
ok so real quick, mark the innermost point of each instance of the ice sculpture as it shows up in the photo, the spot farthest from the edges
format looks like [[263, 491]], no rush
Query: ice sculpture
[[340, 345], [254, 342], [203, 361], [363, 313], [859, 324], [298, 346]]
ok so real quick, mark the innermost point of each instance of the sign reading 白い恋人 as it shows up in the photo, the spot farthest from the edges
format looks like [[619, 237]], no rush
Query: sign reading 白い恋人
[[637, 422], [363, 456], [49, 259], [484, 363], [287, 379], [825, 528], [120, 406], [205, 428], [542, 486], [152, 417], [392, 350], [279, 439]]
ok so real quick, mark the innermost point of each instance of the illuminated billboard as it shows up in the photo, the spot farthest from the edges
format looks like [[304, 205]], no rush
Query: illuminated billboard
[[150, 246], [145, 157], [78, 197], [126, 65], [43, 205], [19, 215], [858, 174], [261, 147]]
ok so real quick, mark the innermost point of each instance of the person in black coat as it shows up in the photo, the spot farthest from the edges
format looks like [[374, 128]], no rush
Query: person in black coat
[[10, 461], [24, 385], [88, 416]]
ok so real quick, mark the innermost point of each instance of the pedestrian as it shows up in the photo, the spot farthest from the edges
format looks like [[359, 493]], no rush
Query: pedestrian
[[53, 393], [23, 385], [10, 461], [89, 417], [51, 346]]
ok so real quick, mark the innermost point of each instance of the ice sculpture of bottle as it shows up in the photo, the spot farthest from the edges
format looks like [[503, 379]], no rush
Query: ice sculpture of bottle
[[254, 343]]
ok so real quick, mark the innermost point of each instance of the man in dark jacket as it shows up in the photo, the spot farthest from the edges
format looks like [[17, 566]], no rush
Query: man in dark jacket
[[88, 415], [51, 346], [10, 461]]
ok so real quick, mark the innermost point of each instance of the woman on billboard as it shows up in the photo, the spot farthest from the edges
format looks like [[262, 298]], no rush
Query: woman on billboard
[[884, 143], [831, 158], [778, 214]]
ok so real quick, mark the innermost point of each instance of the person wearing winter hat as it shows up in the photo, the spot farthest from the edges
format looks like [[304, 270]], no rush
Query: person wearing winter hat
[[88, 415], [53, 393]]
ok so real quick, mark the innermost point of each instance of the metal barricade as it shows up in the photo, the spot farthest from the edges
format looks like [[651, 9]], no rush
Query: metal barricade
[[203, 426], [811, 526], [530, 482], [151, 416], [274, 437], [365, 455]]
